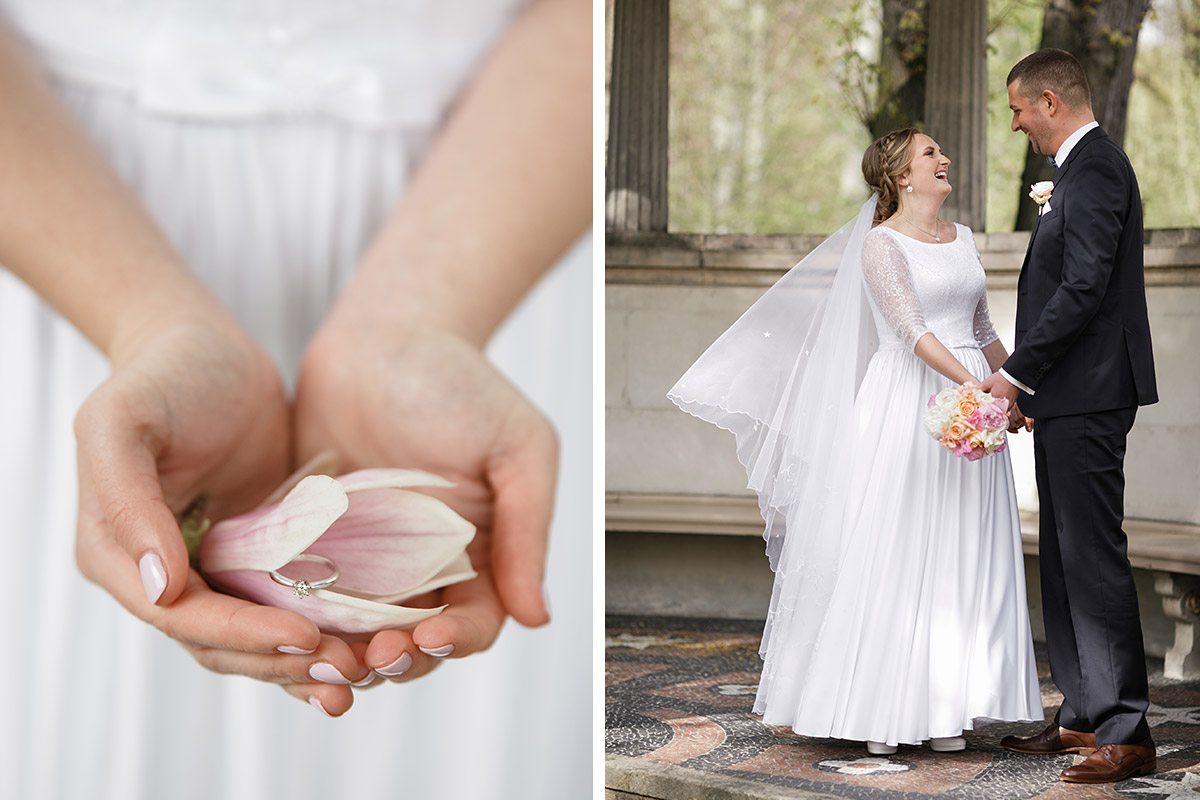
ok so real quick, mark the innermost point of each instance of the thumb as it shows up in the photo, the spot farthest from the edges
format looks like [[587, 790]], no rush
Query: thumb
[[116, 458], [523, 480]]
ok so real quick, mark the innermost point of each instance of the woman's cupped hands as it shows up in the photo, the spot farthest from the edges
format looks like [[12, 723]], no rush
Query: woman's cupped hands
[[195, 408]]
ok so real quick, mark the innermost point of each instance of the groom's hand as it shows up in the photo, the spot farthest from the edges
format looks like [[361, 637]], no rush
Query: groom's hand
[[998, 386]]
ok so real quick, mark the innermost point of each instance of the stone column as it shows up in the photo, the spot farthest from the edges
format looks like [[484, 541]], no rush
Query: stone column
[[635, 194], [955, 102]]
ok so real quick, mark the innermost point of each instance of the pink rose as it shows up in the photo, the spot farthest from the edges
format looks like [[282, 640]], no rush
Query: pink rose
[[990, 417]]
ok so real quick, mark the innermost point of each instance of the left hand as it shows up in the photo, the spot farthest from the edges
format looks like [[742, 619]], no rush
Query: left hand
[[429, 400]]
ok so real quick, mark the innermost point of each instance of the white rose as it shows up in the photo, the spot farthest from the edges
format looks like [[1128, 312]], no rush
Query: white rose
[[1041, 191]]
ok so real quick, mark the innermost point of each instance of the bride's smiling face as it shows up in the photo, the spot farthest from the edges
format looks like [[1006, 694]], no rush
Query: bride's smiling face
[[929, 171]]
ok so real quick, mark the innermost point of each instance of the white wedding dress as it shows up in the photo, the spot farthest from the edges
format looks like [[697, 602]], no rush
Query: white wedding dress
[[269, 140], [898, 612], [927, 627]]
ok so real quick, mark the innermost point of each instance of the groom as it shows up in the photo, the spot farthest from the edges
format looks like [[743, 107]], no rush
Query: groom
[[1081, 366]]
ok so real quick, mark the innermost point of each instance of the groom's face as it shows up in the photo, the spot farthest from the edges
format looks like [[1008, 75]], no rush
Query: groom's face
[[1030, 117]]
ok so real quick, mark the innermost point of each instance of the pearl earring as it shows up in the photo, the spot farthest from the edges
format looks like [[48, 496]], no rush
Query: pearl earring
[[908, 188]]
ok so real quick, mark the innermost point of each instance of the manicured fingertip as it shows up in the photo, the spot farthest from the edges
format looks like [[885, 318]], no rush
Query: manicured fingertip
[[295, 651], [397, 667], [315, 702], [327, 673], [154, 576], [437, 652]]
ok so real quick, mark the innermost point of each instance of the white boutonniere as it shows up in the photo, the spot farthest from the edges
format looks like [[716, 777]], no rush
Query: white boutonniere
[[1040, 193]]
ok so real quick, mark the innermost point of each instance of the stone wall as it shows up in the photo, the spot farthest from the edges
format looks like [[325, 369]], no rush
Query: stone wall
[[681, 540], [669, 297]]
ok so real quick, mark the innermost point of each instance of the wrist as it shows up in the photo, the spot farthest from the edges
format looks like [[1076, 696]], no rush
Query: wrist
[[169, 303]]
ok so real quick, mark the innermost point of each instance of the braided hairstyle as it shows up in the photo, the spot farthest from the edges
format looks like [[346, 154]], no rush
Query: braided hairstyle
[[885, 160]]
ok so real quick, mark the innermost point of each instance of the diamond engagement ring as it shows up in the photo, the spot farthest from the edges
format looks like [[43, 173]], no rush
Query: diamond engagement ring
[[302, 587]]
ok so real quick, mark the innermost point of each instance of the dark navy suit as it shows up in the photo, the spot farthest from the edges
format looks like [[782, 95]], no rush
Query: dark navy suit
[[1083, 346]]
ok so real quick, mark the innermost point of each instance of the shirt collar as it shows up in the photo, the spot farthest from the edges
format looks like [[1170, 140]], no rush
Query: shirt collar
[[1065, 150]]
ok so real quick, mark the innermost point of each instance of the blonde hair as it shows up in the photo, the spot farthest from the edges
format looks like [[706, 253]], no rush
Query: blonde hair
[[885, 160]]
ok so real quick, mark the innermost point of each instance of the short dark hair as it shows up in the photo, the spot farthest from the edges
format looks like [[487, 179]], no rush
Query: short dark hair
[[1056, 70]]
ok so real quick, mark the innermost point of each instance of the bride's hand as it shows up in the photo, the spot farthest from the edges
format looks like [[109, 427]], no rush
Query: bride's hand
[[193, 409], [431, 401], [1018, 420]]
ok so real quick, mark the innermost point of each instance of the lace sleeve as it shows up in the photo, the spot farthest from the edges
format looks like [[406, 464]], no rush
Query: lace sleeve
[[985, 334], [886, 275]]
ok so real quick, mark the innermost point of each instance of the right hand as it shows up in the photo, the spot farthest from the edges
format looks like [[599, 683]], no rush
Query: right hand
[[193, 408]]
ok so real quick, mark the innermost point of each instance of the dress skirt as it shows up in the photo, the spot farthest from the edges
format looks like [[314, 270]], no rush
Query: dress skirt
[[272, 215], [927, 627]]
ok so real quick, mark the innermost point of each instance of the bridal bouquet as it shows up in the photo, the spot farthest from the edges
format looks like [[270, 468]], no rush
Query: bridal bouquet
[[967, 422]]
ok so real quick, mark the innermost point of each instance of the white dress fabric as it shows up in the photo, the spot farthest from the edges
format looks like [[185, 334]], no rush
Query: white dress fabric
[[898, 612], [926, 628], [269, 142]]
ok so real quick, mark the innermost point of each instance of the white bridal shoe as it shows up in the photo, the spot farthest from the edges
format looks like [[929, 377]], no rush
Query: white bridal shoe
[[880, 749], [948, 744]]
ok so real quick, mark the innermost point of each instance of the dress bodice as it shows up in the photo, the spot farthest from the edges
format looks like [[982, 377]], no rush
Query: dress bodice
[[915, 287], [375, 63]]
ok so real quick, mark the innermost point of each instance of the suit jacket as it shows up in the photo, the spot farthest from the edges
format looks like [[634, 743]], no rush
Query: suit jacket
[[1083, 333]]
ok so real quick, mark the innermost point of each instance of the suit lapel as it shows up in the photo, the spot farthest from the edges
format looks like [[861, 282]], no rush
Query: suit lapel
[[1059, 174]]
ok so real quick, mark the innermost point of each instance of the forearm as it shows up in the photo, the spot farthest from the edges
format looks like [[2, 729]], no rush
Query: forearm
[[503, 192], [71, 229], [935, 354], [996, 355]]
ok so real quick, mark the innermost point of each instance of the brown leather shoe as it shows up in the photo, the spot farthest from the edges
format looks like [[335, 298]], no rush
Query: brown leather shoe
[[1114, 762], [1052, 740]]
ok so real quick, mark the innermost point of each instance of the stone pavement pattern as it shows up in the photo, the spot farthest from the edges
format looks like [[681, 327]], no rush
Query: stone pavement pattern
[[679, 693]]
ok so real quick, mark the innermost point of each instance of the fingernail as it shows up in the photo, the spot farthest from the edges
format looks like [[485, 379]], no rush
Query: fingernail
[[397, 667], [315, 702], [295, 651], [438, 652], [154, 577], [326, 673], [546, 600], [367, 681]]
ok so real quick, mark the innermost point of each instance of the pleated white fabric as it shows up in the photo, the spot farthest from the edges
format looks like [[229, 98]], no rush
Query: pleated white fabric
[[272, 214], [927, 627]]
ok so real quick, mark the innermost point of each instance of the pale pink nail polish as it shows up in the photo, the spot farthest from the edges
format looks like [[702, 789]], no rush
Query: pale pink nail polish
[[154, 577], [546, 600], [397, 667], [294, 651], [438, 652], [315, 702], [367, 681], [326, 673]]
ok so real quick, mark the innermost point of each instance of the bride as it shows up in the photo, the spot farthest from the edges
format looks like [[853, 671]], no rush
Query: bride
[[898, 613]]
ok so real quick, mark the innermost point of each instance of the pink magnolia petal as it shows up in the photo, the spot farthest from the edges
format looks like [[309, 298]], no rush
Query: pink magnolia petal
[[270, 537], [391, 541], [332, 612], [365, 479], [456, 571]]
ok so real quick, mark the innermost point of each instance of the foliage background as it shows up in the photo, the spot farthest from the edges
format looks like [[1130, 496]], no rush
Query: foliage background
[[765, 136]]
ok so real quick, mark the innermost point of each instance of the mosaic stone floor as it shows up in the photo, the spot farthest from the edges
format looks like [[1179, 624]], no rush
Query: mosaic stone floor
[[679, 691]]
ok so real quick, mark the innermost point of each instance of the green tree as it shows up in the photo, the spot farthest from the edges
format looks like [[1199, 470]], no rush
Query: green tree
[[1103, 36]]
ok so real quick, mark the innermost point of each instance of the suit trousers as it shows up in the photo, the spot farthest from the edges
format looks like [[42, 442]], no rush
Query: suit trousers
[[1093, 629]]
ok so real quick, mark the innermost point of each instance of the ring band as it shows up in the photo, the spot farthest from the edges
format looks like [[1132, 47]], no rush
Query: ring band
[[303, 588]]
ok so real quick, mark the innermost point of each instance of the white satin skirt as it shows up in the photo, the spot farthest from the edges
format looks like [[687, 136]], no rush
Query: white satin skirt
[[272, 216], [927, 629]]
